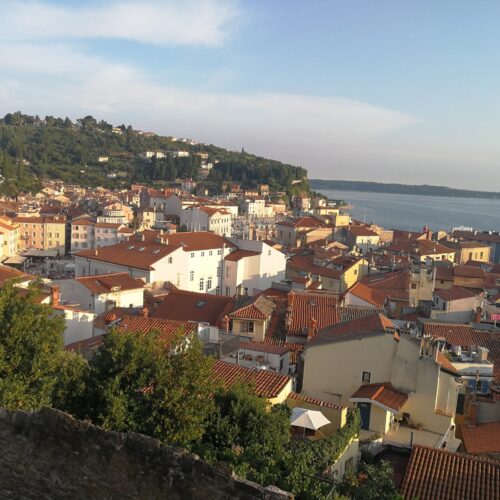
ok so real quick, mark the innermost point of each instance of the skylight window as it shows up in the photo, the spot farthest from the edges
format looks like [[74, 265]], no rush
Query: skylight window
[[131, 247], [156, 250], [201, 303], [141, 249]]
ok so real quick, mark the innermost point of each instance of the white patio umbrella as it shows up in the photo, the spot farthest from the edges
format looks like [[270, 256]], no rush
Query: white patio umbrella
[[308, 419]]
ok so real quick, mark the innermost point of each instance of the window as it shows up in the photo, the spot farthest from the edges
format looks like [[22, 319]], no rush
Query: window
[[281, 363], [209, 283], [191, 275], [219, 252], [269, 252], [202, 285], [228, 291], [413, 286], [247, 327], [192, 255], [203, 254], [170, 260], [210, 253], [227, 272], [366, 377]]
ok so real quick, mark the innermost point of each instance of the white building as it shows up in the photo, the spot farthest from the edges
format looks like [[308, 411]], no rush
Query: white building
[[256, 208], [190, 261], [199, 218], [102, 292], [252, 267]]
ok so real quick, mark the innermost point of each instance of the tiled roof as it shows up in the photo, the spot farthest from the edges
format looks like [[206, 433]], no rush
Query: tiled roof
[[302, 222], [9, 273], [262, 347], [106, 283], [468, 272], [190, 306], [362, 231], [268, 384], [440, 475], [136, 254], [478, 236], [481, 438], [384, 394], [446, 364], [370, 295], [302, 306], [454, 293], [260, 308], [466, 336], [305, 263], [167, 329], [372, 323], [314, 401], [240, 254], [395, 285]]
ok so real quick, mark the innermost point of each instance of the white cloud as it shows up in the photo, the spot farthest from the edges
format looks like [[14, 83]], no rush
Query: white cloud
[[158, 22]]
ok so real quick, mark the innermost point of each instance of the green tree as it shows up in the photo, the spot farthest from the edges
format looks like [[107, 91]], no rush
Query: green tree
[[371, 482], [137, 383], [31, 349], [245, 432]]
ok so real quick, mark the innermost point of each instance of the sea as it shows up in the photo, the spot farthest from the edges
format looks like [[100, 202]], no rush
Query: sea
[[413, 212]]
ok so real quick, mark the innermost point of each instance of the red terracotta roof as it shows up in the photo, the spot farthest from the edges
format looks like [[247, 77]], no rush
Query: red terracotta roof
[[260, 308], [370, 295], [302, 306], [446, 364], [395, 285], [372, 323], [302, 222], [166, 329], [190, 306], [314, 401], [136, 254], [384, 394], [9, 273], [262, 347], [106, 283], [268, 384], [305, 263], [362, 231], [440, 475], [454, 293], [468, 272], [240, 254], [481, 438], [467, 336]]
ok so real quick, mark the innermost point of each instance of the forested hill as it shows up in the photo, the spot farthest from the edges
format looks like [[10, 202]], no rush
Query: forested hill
[[34, 148], [379, 187]]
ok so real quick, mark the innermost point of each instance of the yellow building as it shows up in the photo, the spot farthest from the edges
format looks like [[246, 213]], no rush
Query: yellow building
[[469, 250], [9, 232]]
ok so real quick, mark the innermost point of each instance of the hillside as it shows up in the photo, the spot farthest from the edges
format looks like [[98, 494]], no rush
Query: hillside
[[379, 187], [34, 148]]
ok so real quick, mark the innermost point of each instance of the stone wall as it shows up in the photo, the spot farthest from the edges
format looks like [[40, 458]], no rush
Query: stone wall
[[50, 455]]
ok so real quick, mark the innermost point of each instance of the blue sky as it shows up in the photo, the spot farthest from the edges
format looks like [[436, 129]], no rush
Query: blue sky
[[401, 91]]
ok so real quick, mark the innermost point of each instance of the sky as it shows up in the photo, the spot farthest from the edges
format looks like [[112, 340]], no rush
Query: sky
[[386, 90]]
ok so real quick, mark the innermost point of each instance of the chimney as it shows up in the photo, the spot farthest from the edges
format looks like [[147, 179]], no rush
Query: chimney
[[478, 315], [473, 414], [225, 324], [96, 252], [144, 312], [54, 294], [312, 328]]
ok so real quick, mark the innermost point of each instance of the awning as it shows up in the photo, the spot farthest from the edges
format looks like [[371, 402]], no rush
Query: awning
[[308, 419], [35, 252], [15, 259]]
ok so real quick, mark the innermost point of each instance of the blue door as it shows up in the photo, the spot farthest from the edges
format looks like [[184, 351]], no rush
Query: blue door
[[364, 410]]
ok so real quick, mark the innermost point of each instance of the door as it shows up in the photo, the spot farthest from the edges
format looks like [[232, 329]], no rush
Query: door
[[364, 410]]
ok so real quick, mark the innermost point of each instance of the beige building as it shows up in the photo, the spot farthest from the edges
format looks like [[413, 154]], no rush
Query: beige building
[[404, 387], [469, 250], [42, 233], [9, 234]]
